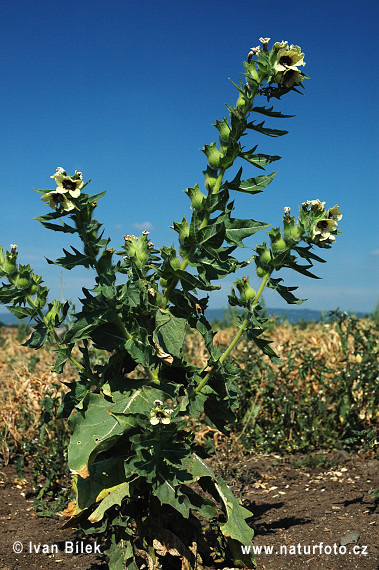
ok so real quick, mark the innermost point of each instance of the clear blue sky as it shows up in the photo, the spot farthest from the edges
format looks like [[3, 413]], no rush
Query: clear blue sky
[[127, 92]]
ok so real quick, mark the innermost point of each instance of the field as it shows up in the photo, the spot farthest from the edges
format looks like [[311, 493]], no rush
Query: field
[[302, 455]]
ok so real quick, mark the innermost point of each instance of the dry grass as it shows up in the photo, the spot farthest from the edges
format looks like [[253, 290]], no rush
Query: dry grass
[[25, 377]]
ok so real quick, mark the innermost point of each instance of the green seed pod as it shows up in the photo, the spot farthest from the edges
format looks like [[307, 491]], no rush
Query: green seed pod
[[210, 178], [261, 272], [175, 263], [265, 257], [2, 258], [278, 245], [163, 282], [224, 130], [10, 265], [242, 102], [214, 158], [22, 281], [196, 197], [34, 289], [292, 233]]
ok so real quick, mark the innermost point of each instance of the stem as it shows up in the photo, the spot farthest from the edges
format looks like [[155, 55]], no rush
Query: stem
[[187, 258], [242, 329], [58, 343]]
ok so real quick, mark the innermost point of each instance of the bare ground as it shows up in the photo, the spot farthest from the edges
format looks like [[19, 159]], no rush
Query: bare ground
[[292, 504]]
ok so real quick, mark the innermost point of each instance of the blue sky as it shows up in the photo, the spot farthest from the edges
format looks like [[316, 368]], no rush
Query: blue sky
[[127, 93]]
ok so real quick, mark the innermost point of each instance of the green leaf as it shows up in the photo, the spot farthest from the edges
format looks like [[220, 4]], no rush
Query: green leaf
[[93, 430], [38, 338], [239, 229], [235, 526], [170, 495], [251, 185], [22, 312], [70, 260], [57, 228], [114, 498], [270, 113], [60, 361], [285, 292], [264, 130], [259, 160], [170, 332]]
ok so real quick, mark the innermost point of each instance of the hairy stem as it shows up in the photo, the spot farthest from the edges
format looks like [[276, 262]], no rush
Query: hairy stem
[[235, 340]]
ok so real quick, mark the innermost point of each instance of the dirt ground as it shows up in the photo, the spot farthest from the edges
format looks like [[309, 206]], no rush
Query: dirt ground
[[295, 505]]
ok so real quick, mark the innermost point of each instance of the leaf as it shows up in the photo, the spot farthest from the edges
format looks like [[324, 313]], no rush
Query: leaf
[[235, 526], [251, 185], [270, 113], [93, 430], [264, 130], [57, 228], [114, 498], [285, 292], [259, 160], [70, 260], [38, 338], [60, 361], [170, 332], [22, 312], [239, 229], [170, 495]]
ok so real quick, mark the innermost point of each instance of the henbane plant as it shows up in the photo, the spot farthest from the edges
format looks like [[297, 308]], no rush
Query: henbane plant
[[140, 479]]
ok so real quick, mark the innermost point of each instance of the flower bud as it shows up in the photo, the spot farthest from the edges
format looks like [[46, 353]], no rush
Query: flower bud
[[210, 178], [163, 282]]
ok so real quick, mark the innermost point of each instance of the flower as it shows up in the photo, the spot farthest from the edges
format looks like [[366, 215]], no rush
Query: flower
[[289, 78], [316, 205], [335, 213], [322, 230], [288, 58], [280, 45], [68, 184], [56, 198], [160, 415]]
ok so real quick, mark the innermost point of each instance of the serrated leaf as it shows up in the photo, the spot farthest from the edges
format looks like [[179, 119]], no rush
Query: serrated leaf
[[270, 113], [251, 185], [170, 495], [238, 229], [57, 228], [170, 332], [115, 497], [22, 312], [285, 292], [235, 526], [259, 160], [38, 338], [265, 130], [72, 260]]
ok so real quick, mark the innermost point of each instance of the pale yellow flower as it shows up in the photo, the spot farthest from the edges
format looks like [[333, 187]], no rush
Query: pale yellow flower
[[55, 198], [335, 213], [322, 230], [288, 58], [160, 415], [68, 184]]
